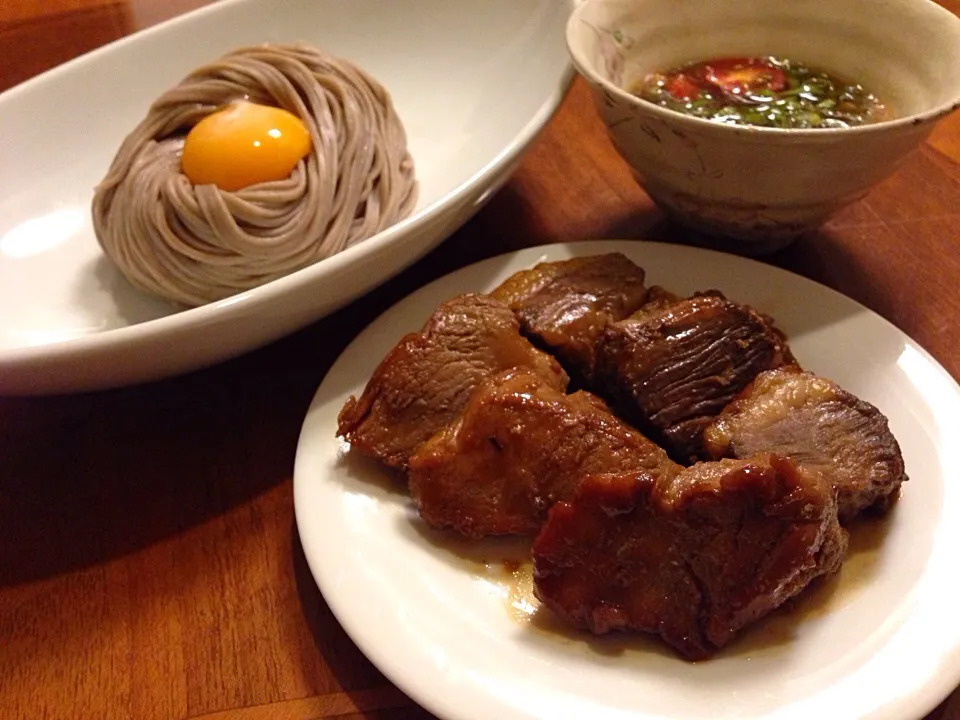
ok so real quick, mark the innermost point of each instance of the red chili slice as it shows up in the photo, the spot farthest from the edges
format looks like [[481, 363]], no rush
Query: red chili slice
[[738, 75], [681, 87]]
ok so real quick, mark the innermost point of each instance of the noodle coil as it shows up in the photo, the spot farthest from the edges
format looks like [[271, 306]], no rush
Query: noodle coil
[[194, 244]]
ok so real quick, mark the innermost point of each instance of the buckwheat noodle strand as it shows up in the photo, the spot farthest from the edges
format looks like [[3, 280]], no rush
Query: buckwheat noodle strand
[[195, 244]]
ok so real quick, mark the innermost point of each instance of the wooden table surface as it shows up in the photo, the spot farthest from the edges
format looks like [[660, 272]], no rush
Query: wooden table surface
[[149, 561]]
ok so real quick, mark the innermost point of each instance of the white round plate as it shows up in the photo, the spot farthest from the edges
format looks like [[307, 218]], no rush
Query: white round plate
[[880, 641], [473, 83]]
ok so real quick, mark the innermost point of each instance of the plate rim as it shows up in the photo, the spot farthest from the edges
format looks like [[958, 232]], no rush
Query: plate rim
[[938, 685]]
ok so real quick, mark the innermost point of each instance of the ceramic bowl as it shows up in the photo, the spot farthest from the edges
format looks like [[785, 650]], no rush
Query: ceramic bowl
[[762, 187]]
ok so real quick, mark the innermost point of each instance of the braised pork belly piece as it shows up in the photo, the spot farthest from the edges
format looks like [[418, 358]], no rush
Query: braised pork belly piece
[[692, 557], [520, 445], [425, 380], [674, 366], [820, 426], [564, 306]]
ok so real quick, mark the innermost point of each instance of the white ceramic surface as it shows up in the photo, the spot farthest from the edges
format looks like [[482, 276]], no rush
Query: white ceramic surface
[[765, 185], [883, 644], [472, 82]]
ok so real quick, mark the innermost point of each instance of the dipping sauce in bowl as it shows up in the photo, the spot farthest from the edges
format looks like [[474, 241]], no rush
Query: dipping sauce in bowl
[[764, 92]]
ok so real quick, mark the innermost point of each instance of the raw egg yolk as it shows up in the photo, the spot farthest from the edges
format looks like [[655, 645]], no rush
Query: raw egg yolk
[[242, 145]]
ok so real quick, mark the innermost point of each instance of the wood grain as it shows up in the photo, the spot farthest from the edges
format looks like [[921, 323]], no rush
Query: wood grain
[[32, 43], [149, 561]]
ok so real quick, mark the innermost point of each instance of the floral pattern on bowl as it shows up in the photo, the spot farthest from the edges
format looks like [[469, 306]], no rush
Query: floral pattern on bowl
[[613, 46]]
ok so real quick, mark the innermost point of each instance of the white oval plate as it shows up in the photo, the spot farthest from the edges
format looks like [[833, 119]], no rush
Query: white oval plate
[[472, 82], [882, 641]]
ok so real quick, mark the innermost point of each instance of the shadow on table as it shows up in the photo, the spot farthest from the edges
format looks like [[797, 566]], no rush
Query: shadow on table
[[88, 478], [334, 653]]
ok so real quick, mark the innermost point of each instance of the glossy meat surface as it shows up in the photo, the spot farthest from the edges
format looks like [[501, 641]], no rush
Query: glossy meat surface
[[820, 426], [519, 446], [425, 380], [565, 305], [693, 557], [658, 300], [673, 368]]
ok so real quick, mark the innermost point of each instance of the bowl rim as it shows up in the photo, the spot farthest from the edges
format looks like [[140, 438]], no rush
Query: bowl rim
[[914, 120]]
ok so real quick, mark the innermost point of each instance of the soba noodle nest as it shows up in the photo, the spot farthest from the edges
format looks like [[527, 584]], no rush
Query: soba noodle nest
[[195, 244]]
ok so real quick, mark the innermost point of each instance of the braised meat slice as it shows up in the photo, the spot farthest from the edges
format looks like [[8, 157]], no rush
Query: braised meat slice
[[820, 426], [425, 380], [520, 445], [658, 300], [565, 305], [693, 557], [672, 370]]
